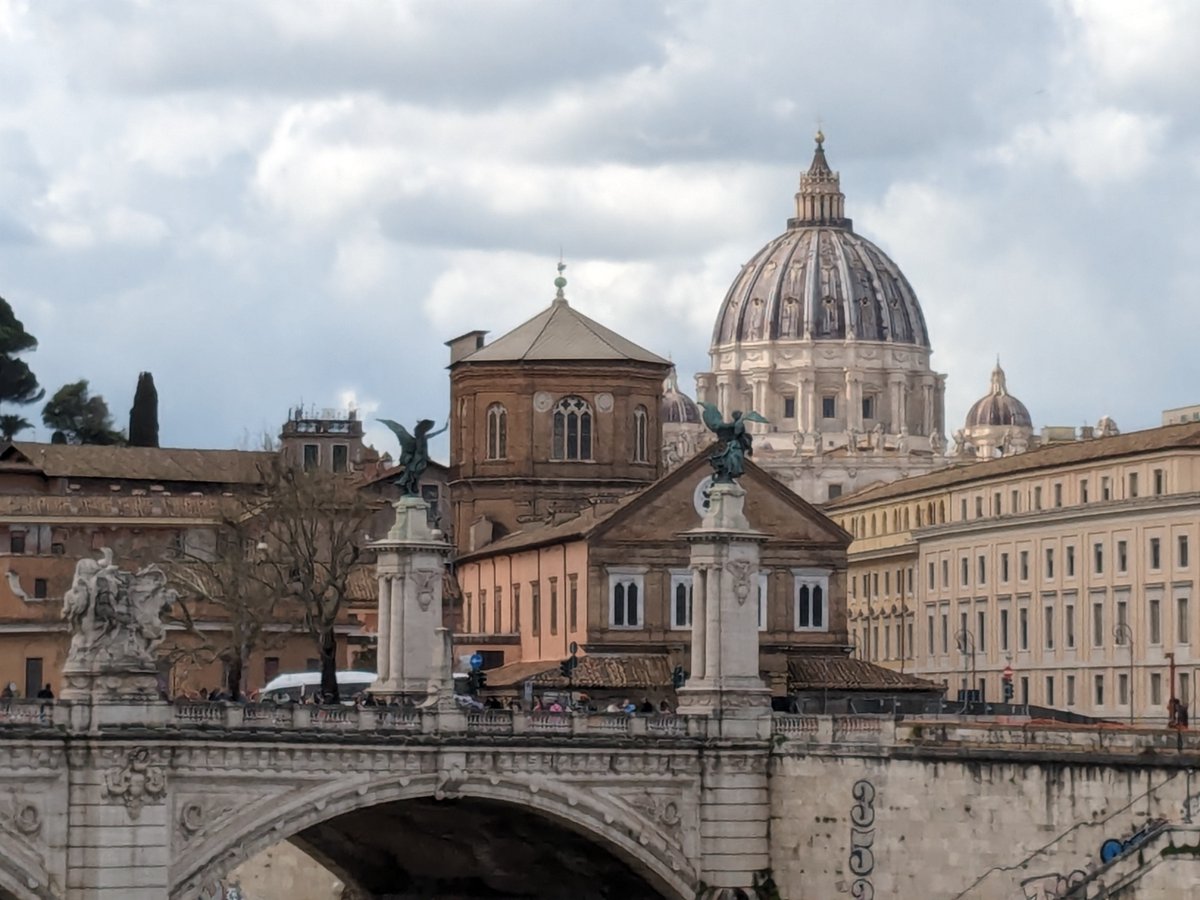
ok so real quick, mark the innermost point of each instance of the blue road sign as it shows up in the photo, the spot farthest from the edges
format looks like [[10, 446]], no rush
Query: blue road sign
[[476, 660]]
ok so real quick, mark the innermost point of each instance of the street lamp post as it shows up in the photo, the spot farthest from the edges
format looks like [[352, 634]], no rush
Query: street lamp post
[[966, 644], [1122, 633]]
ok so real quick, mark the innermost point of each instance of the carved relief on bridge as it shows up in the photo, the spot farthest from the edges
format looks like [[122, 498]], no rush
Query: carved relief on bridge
[[642, 801]]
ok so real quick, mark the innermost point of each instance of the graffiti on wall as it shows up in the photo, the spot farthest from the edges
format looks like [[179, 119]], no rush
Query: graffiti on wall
[[862, 838], [1052, 886], [1115, 847]]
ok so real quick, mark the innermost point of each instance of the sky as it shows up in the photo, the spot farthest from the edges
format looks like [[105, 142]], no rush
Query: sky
[[286, 202]]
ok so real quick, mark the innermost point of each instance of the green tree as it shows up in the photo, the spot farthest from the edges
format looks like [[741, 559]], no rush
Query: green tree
[[11, 426], [143, 416], [79, 417], [17, 383]]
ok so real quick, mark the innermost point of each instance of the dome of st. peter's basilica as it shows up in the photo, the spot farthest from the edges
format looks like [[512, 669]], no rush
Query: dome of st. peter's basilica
[[823, 335]]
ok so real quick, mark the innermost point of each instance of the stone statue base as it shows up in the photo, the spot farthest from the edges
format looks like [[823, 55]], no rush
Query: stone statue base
[[83, 685]]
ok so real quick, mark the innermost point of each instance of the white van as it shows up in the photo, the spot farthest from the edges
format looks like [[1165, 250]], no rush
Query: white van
[[297, 686]]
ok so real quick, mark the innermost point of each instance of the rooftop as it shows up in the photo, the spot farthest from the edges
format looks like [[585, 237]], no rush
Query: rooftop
[[166, 464]]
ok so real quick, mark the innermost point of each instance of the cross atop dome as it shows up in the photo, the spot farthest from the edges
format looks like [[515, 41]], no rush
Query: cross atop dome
[[559, 283], [820, 200]]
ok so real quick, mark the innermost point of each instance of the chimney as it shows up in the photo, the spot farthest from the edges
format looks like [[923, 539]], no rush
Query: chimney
[[464, 345]]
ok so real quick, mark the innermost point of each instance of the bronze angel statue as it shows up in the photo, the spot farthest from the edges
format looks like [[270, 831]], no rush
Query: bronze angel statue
[[729, 459], [414, 453]]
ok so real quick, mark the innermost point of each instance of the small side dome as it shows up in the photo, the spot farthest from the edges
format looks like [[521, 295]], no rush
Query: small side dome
[[677, 407], [998, 407]]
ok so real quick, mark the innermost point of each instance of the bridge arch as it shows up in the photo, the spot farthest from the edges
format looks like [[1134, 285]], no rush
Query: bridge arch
[[660, 864], [22, 878]]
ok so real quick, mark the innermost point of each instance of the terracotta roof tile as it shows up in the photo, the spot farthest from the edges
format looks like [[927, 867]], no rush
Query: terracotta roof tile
[[594, 672], [146, 463], [843, 673]]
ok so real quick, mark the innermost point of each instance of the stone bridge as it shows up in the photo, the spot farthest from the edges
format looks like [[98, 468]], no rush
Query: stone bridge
[[164, 801]]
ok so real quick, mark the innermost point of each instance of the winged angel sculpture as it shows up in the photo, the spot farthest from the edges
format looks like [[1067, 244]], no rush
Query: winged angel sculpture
[[729, 459], [414, 453]]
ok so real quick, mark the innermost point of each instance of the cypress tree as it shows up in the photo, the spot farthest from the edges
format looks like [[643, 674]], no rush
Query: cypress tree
[[143, 416]]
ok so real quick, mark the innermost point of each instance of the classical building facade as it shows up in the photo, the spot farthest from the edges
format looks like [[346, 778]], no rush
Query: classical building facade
[[1074, 564], [558, 414], [823, 335], [683, 426]]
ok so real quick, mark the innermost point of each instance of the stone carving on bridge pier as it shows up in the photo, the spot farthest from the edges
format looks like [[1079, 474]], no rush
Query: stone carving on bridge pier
[[115, 618], [136, 783]]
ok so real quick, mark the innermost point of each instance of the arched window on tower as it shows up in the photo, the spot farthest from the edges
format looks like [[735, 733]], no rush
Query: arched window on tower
[[497, 432], [641, 425], [572, 429]]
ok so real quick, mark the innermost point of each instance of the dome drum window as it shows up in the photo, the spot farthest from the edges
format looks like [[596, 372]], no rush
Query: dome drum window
[[572, 439], [641, 427], [811, 599]]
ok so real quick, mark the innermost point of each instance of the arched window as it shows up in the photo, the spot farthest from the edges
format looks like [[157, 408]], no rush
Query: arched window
[[497, 432], [941, 512], [872, 524], [641, 423], [572, 429]]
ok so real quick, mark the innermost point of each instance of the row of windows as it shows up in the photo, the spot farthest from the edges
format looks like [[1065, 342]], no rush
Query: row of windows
[[1154, 560], [969, 641], [870, 583], [884, 641], [1069, 697], [572, 431], [483, 617], [312, 457], [829, 406]]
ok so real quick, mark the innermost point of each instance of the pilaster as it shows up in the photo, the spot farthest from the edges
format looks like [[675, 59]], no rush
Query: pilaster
[[410, 565]]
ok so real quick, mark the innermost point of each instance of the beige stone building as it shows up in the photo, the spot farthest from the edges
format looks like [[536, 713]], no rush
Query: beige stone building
[[1075, 564]]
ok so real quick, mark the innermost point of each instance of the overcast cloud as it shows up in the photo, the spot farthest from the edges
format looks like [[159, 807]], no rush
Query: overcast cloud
[[283, 201]]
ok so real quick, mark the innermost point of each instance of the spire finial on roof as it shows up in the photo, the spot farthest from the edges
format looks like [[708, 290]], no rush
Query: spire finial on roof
[[560, 282], [820, 200], [999, 382]]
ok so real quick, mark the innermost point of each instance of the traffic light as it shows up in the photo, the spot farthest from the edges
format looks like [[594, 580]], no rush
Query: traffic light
[[679, 677], [476, 681], [567, 667]]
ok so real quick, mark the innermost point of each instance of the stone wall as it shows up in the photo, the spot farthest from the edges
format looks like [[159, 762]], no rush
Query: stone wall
[[285, 872]]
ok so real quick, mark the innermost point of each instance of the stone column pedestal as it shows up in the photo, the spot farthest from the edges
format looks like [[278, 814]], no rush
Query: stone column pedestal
[[725, 683], [410, 566]]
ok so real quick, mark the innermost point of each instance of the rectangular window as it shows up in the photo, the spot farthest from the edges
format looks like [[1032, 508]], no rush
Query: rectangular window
[[1024, 690], [887, 583], [829, 407], [1083, 490], [1155, 553], [1182, 629], [482, 610], [962, 630], [1004, 567], [1016, 502], [1155, 689], [1160, 482], [835, 491], [341, 458], [910, 648], [497, 611], [812, 595], [1154, 613], [982, 570], [1070, 560], [981, 631], [624, 598], [932, 579], [962, 506], [1105, 488], [966, 571], [789, 406], [1122, 619], [1123, 689], [553, 605], [1098, 690], [945, 633], [573, 601], [1049, 563], [1024, 558], [1069, 616], [1037, 498], [1022, 629], [1097, 624], [39, 588], [762, 601], [312, 457], [1050, 690], [868, 407], [979, 507], [535, 608], [16, 542], [1058, 494], [1133, 484], [681, 598], [996, 503], [515, 601], [270, 669], [1049, 626], [1098, 558], [887, 642], [1122, 556], [1181, 558], [929, 636], [1004, 629], [945, 573], [33, 676], [1070, 690]]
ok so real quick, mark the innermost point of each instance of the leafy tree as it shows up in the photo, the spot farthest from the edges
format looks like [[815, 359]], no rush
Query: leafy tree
[[80, 418], [11, 426], [143, 416], [17, 383]]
